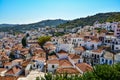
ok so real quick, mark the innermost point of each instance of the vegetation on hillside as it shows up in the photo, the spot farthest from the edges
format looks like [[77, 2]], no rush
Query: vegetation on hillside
[[101, 18], [32, 26]]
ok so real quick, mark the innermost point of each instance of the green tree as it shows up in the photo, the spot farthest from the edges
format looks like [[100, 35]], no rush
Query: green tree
[[48, 76], [42, 40], [37, 78], [107, 72], [24, 42]]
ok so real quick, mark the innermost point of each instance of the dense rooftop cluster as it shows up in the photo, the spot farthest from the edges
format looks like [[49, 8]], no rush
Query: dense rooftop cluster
[[73, 53]]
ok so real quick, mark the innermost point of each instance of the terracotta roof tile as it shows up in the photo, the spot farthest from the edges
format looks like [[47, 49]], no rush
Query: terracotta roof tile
[[8, 78], [52, 57], [13, 70], [65, 63], [55, 61], [67, 70], [74, 56], [84, 67]]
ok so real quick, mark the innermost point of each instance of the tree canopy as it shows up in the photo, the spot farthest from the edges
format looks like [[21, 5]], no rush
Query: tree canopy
[[24, 43], [43, 39]]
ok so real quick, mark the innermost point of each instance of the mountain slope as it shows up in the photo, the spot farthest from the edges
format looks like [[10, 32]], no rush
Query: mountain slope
[[101, 18], [51, 23]]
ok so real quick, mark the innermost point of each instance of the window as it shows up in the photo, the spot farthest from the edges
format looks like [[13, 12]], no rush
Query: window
[[37, 66], [53, 66], [110, 62], [92, 55], [116, 47], [33, 60], [97, 56], [78, 61], [33, 65], [116, 42], [106, 61], [7, 67], [106, 41], [102, 60]]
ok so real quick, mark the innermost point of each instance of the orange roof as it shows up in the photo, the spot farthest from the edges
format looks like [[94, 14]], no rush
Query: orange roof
[[25, 63], [65, 63], [38, 58], [2, 69], [18, 60], [8, 78], [48, 44], [39, 51], [98, 50], [84, 67], [24, 49], [55, 61], [7, 63], [67, 70], [81, 48], [4, 58], [74, 56], [13, 70]]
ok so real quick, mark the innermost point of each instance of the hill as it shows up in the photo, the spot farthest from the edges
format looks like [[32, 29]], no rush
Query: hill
[[89, 20], [17, 27], [101, 18]]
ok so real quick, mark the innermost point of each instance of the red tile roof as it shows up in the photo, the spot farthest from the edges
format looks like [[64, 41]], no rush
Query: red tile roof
[[65, 63], [74, 56], [67, 70], [84, 67], [55, 61], [13, 70]]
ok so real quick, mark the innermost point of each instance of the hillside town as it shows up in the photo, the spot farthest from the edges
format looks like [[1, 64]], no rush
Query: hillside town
[[75, 52]]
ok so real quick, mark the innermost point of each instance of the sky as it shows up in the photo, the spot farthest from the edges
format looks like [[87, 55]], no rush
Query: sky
[[30, 11]]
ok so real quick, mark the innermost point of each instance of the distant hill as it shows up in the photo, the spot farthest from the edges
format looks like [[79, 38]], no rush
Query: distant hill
[[16, 27], [8, 25], [101, 18]]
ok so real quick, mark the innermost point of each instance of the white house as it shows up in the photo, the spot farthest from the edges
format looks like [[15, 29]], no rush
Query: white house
[[38, 63], [108, 40], [107, 58], [65, 47], [117, 30], [92, 44], [92, 57], [115, 44], [117, 58], [52, 65], [62, 54]]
